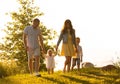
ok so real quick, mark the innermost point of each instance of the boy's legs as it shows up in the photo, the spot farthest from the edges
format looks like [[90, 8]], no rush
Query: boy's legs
[[73, 63], [78, 63], [78, 67]]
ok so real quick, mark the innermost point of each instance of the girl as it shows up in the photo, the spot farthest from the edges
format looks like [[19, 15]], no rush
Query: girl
[[50, 62], [69, 43]]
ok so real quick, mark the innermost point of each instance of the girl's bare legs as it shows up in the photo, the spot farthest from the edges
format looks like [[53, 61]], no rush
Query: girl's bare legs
[[48, 71], [52, 70]]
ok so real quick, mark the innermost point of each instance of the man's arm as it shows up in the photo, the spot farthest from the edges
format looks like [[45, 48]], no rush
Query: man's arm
[[24, 40], [41, 42]]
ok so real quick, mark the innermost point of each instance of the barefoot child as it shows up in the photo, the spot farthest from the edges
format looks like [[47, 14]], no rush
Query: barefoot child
[[78, 58], [50, 62]]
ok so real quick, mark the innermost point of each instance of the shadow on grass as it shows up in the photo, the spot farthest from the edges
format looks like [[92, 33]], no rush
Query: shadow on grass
[[100, 76], [111, 82], [112, 76], [76, 80], [92, 76], [108, 79], [7, 81], [53, 80]]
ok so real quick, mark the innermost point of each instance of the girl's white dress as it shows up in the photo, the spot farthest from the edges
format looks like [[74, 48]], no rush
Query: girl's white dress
[[50, 62]]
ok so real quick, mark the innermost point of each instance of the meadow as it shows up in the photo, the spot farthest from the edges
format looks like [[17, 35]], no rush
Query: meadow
[[83, 76]]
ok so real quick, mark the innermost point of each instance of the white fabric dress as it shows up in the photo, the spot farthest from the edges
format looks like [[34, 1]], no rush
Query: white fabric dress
[[50, 62]]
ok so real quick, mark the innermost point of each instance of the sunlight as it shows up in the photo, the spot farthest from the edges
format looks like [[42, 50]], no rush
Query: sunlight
[[59, 62], [96, 23], [6, 18]]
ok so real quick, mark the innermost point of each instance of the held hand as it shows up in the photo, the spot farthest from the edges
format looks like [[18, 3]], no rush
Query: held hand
[[27, 48], [76, 50], [81, 60], [43, 50], [56, 48], [43, 54]]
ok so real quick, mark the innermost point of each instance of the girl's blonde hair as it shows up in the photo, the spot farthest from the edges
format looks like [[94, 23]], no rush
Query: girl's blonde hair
[[49, 50]]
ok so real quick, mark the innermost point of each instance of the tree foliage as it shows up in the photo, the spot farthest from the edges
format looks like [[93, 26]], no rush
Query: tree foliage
[[13, 43]]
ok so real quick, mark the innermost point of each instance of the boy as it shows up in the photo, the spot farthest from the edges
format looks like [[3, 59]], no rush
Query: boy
[[78, 58]]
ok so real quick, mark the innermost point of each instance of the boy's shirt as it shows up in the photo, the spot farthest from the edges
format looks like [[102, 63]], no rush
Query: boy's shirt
[[79, 54]]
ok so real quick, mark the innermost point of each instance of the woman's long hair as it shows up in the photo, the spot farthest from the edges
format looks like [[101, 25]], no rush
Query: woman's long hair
[[64, 30]]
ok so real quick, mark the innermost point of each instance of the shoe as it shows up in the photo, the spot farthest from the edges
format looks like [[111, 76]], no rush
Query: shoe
[[38, 75]]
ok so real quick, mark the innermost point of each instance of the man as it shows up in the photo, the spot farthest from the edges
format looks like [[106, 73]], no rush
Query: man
[[32, 38]]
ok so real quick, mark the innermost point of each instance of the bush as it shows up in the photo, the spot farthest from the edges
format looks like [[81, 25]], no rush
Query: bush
[[2, 71], [8, 67], [13, 66], [117, 63]]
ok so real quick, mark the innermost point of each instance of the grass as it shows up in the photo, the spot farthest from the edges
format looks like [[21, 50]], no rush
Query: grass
[[84, 76]]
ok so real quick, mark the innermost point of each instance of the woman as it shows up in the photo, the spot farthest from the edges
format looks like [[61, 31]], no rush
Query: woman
[[69, 43]]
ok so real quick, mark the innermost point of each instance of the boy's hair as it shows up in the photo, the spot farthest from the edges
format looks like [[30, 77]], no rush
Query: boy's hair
[[78, 38]]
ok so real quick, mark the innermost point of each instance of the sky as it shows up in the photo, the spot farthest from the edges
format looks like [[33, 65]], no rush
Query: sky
[[97, 23]]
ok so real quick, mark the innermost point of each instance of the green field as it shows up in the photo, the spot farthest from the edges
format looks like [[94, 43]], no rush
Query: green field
[[84, 76]]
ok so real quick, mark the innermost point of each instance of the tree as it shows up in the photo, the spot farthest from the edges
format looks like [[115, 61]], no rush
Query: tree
[[13, 43]]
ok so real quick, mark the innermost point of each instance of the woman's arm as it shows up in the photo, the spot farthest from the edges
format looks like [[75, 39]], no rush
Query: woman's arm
[[55, 53], [74, 40], [59, 40]]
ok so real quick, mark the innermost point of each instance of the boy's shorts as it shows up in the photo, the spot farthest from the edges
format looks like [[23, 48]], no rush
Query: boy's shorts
[[33, 52], [75, 60]]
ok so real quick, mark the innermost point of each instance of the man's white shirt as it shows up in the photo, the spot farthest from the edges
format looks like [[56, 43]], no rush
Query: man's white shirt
[[32, 36]]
